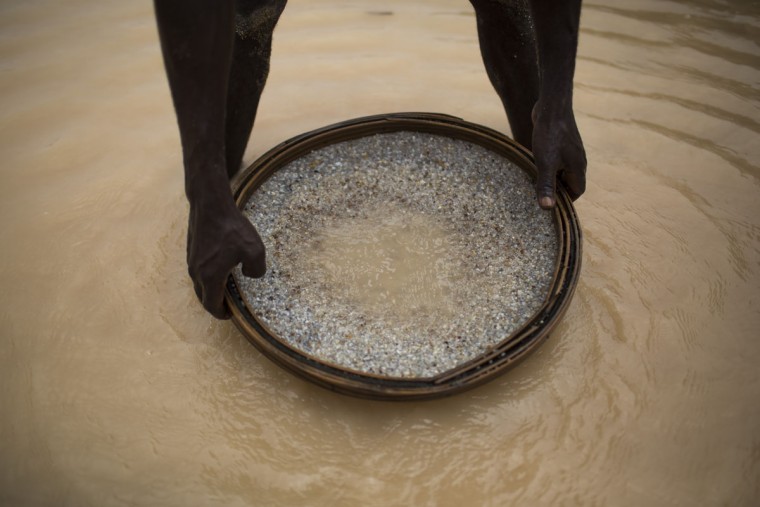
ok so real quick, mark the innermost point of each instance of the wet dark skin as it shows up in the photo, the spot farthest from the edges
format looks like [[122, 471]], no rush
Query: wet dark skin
[[216, 54]]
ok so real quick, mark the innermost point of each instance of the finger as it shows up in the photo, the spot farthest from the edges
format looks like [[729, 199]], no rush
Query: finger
[[254, 263], [574, 174], [546, 181], [218, 310], [574, 183], [213, 298]]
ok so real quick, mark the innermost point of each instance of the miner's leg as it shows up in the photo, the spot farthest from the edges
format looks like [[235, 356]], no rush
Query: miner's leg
[[508, 47], [196, 40], [254, 23]]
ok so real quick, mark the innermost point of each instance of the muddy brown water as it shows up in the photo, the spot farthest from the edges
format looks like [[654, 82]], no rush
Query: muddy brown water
[[390, 262], [117, 389]]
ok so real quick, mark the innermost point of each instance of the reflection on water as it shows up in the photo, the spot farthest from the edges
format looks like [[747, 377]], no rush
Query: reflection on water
[[118, 390]]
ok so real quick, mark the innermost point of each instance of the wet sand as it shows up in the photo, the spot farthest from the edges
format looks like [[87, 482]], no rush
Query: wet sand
[[117, 389]]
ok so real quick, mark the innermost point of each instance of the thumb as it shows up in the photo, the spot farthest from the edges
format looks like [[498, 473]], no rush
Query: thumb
[[546, 182], [254, 263]]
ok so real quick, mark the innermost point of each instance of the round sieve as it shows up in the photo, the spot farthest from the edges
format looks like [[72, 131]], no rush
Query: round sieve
[[499, 358]]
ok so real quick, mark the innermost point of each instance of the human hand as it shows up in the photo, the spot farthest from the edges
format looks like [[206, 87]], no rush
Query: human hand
[[217, 241], [559, 154]]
